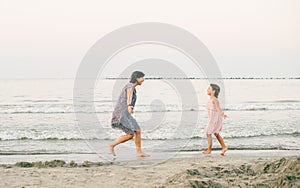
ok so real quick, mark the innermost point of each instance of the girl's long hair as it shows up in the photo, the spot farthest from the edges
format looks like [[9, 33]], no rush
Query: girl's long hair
[[216, 89]]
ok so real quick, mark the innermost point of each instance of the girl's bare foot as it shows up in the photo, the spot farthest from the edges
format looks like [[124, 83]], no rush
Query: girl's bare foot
[[206, 152], [112, 151], [223, 151], [142, 155]]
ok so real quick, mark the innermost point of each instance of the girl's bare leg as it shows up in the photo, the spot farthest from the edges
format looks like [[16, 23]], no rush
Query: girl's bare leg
[[209, 140], [137, 141], [119, 140], [221, 141]]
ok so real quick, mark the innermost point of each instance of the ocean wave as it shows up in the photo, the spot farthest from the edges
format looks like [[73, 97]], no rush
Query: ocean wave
[[265, 135], [155, 138], [275, 101], [193, 149], [227, 137], [69, 111], [256, 135], [44, 139], [42, 101], [67, 108], [40, 152]]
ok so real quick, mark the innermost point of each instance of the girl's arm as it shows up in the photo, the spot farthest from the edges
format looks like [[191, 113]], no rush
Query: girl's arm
[[217, 105], [129, 98]]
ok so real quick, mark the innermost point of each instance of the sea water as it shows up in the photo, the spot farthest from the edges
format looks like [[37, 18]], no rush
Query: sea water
[[37, 116]]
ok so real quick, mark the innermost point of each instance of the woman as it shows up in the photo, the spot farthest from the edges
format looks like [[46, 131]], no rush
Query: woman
[[122, 118]]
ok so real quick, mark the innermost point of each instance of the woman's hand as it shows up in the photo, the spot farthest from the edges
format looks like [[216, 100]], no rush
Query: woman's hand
[[129, 98], [130, 109]]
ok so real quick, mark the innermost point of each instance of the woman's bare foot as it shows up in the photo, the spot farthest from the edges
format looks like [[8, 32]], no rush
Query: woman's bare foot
[[111, 150], [223, 151], [141, 154], [206, 152]]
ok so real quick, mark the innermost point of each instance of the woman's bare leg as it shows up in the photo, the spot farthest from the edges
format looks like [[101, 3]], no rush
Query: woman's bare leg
[[209, 140], [119, 140], [221, 141], [137, 141]]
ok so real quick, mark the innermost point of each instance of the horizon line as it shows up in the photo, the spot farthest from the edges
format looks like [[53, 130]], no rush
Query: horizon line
[[159, 78]]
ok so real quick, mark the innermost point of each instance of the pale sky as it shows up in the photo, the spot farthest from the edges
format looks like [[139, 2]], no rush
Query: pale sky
[[48, 39]]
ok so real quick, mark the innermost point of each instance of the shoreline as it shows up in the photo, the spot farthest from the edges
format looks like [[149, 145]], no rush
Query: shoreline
[[124, 157]]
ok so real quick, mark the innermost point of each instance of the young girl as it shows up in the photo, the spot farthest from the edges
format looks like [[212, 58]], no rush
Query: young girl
[[215, 115]]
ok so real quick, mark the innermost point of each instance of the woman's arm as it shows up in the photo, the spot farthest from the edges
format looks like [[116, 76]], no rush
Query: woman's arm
[[129, 99], [217, 105]]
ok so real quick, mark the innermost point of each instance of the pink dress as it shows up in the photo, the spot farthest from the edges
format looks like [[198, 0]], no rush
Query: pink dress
[[214, 124]]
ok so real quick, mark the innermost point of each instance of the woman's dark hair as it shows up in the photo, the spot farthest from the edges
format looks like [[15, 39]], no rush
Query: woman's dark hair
[[135, 75], [215, 88]]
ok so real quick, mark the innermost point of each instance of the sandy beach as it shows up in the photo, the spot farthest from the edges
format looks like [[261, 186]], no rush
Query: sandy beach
[[267, 169], [121, 94]]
